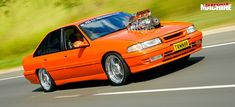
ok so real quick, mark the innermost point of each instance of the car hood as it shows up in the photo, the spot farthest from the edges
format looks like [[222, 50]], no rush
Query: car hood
[[140, 36]]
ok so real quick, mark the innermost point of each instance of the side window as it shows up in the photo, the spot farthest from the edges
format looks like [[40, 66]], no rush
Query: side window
[[51, 44], [54, 42], [41, 48], [73, 37]]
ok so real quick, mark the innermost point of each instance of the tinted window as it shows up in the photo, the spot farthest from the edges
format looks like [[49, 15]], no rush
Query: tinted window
[[41, 49], [51, 44]]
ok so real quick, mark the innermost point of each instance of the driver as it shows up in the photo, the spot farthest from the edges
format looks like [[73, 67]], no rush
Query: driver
[[76, 40]]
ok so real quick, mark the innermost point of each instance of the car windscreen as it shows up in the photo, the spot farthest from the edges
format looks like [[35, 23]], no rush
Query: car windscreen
[[104, 25]]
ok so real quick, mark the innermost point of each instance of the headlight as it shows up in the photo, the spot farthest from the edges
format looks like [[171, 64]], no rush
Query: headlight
[[136, 47], [151, 43], [143, 45], [191, 29]]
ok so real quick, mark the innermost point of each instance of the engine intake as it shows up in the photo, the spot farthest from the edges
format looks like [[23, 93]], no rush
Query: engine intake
[[143, 20]]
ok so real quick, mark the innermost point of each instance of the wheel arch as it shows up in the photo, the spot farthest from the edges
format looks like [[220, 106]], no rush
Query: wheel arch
[[37, 70], [103, 57], [110, 52]]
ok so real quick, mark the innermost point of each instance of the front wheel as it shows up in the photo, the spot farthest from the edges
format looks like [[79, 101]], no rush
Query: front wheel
[[47, 83], [116, 69]]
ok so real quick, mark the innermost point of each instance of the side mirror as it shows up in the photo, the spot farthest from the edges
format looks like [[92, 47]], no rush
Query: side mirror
[[80, 44]]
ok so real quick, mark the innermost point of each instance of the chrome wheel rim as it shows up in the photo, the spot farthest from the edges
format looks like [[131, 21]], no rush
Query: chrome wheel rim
[[114, 69], [44, 79]]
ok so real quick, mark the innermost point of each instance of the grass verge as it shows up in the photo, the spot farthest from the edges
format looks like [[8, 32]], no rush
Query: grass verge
[[24, 23]]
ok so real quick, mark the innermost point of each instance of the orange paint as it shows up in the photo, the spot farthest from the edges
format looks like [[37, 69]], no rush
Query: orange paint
[[85, 63]]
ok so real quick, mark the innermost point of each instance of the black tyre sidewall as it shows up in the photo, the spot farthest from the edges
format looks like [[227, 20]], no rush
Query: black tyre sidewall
[[53, 86]]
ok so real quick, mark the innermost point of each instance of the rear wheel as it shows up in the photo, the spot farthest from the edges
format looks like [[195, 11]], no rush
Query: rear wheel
[[116, 69], [46, 82]]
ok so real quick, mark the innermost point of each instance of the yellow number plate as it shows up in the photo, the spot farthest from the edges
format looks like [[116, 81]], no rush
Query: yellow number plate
[[181, 45]]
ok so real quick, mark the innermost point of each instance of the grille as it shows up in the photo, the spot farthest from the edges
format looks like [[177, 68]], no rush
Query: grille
[[173, 36]]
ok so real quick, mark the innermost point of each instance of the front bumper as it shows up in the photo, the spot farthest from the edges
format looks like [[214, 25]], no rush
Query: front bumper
[[140, 61]]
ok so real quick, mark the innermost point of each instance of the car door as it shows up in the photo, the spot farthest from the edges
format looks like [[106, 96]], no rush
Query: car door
[[51, 54], [79, 62]]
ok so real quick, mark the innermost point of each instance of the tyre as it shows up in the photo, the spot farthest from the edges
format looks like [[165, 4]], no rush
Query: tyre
[[46, 82], [116, 69]]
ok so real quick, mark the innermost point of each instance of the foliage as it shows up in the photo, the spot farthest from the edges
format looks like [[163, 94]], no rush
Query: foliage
[[25, 22]]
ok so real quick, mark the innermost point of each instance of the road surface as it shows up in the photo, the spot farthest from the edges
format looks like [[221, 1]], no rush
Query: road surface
[[207, 79]]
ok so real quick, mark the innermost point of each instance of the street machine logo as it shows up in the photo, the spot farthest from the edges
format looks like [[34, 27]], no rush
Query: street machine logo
[[216, 6]]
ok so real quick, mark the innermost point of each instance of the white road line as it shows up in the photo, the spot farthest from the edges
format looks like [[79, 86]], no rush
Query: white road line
[[166, 90], [217, 45], [68, 96], [11, 78]]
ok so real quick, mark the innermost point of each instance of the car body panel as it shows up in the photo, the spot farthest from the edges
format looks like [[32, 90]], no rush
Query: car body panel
[[140, 61], [85, 63]]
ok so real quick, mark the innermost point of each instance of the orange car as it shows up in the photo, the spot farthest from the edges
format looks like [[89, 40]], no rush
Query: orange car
[[110, 46]]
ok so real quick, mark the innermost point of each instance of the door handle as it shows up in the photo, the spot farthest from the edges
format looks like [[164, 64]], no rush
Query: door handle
[[65, 56], [44, 59]]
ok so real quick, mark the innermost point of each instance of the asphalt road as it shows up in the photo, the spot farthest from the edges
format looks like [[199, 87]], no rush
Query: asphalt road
[[207, 79]]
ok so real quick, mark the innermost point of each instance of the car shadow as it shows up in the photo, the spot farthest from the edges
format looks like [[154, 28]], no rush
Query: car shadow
[[79, 85], [164, 69], [135, 78]]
